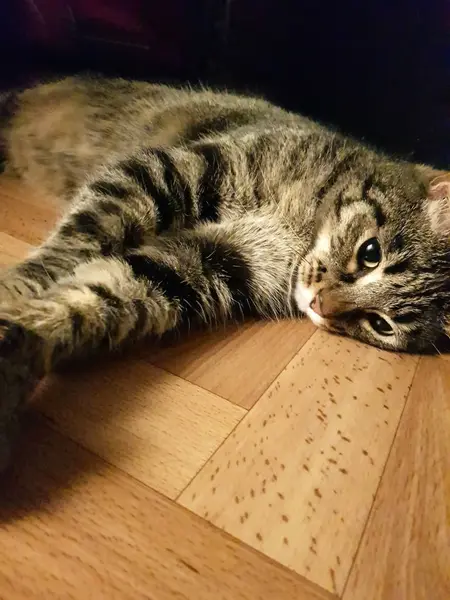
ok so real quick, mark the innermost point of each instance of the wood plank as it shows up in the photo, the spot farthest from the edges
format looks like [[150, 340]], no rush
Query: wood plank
[[25, 214], [12, 250], [238, 363], [296, 478], [150, 423], [72, 527], [19, 189], [405, 552]]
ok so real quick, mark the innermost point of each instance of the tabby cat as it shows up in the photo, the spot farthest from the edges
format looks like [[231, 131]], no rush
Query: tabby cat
[[190, 206]]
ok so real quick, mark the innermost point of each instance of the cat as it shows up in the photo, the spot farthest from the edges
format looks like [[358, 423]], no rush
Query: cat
[[194, 206]]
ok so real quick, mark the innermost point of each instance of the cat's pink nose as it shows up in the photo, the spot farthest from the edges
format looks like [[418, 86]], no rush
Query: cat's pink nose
[[316, 305]]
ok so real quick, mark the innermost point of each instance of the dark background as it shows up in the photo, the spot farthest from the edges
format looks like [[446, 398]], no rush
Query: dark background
[[378, 69]]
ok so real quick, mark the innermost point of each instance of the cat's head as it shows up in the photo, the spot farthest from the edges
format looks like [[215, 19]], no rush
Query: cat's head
[[379, 266]]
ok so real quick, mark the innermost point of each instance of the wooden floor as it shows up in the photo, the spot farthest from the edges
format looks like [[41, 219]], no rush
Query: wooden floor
[[269, 461]]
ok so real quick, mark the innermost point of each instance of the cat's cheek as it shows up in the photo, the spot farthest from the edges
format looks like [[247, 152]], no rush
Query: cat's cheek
[[303, 297]]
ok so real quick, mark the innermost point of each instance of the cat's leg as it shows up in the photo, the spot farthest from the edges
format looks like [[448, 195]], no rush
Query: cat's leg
[[209, 274], [147, 194]]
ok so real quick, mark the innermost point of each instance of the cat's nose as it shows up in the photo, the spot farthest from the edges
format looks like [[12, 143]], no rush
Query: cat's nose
[[329, 304], [316, 304]]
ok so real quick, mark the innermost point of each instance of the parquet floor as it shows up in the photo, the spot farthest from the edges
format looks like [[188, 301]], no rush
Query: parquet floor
[[267, 461]]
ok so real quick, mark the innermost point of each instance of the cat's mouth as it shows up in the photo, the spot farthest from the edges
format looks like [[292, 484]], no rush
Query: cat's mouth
[[308, 302]]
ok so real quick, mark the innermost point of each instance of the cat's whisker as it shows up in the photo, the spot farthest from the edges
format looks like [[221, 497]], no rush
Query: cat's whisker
[[436, 348]]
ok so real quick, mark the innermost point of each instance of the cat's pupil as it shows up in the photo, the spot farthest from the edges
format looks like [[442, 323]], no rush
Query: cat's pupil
[[369, 254], [380, 325]]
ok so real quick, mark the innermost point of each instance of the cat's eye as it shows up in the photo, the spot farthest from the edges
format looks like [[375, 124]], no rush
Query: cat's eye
[[379, 325], [369, 254]]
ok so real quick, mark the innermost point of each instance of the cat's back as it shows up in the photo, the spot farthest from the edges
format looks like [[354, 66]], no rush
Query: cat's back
[[59, 132]]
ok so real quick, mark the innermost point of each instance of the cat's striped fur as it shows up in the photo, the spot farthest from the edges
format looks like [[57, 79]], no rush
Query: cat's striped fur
[[191, 206]]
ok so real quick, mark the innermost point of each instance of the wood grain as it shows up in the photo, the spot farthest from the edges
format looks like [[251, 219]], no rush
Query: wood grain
[[25, 214], [296, 479], [152, 424], [238, 363], [405, 552], [12, 250], [72, 527]]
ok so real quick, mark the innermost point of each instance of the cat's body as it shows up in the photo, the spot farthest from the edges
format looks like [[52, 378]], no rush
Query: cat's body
[[62, 132], [198, 206]]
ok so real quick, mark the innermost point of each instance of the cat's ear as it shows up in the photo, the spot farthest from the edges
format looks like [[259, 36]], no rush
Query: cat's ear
[[438, 195]]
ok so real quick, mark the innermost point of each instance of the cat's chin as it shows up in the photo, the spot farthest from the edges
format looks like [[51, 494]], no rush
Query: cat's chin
[[317, 319]]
